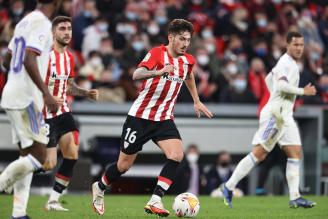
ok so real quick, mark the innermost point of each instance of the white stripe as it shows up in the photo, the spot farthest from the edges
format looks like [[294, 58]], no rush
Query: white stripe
[[135, 106], [169, 93], [61, 82], [154, 98], [166, 59], [185, 66], [163, 185], [61, 181], [65, 106]]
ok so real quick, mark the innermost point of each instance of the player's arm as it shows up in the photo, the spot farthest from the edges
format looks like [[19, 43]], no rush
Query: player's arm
[[74, 90], [143, 73], [198, 105], [284, 86], [6, 63], [31, 66]]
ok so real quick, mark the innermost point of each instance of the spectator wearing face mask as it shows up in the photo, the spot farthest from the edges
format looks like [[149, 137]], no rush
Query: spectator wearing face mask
[[93, 36], [190, 176], [219, 173], [93, 67], [237, 91]]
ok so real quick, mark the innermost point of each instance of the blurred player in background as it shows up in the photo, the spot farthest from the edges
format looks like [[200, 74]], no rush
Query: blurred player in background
[[61, 128], [278, 125], [163, 71], [23, 98]]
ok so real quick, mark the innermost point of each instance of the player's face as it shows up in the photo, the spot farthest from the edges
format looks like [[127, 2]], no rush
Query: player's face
[[296, 47], [180, 42], [63, 33]]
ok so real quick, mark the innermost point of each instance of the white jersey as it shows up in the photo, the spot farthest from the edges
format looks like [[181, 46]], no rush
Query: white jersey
[[280, 103], [33, 32]]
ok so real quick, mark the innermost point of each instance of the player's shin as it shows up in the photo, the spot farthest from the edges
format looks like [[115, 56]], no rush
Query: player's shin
[[111, 175], [293, 177], [165, 179], [243, 168], [17, 170], [21, 195], [62, 178]]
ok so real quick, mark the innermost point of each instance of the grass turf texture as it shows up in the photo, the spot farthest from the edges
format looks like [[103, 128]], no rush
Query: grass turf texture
[[132, 207]]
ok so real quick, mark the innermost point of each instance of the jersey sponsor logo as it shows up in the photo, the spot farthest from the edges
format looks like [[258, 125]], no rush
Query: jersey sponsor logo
[[173, 78], [54, 76]]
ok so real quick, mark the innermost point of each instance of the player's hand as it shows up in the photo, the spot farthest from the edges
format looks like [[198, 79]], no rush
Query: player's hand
[[201, 108], [50, 102], [310, 90], [93, 94], [167, 69], [59, 101]]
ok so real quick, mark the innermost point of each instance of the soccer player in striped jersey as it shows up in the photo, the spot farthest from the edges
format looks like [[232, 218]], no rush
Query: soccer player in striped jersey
[[163, 71], [60, 124], [277, 124], [23, 98]]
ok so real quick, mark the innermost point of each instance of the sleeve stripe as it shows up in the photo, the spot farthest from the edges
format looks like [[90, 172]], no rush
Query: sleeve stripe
[[34, 49], [284, 78]]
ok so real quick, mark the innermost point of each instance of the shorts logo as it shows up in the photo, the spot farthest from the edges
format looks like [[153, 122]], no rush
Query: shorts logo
[[126, 144]]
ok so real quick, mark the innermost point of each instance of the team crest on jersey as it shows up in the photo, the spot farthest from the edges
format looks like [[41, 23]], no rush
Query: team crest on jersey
[[175, 78], [146, 57]]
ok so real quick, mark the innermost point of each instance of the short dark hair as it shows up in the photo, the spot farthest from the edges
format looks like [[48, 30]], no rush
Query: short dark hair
[[180, 25], [60, 19], [292, 34]]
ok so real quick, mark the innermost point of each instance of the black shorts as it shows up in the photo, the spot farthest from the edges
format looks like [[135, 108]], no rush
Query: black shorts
[[59, 126], [136, 132]]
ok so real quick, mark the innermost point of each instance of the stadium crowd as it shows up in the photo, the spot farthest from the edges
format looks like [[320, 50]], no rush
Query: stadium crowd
[[236, 43]]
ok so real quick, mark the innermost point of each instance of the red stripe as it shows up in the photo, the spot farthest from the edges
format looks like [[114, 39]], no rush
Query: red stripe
[[44, 111], [62, 177], [175, 92], [57, 82], [165, 180], [105, 180], [65, 84], [148, 96]]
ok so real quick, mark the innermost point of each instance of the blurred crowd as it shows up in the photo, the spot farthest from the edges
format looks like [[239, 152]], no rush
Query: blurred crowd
[[236, 43]]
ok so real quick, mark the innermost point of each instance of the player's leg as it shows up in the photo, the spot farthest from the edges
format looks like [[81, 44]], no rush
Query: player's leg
[[111, 174], [69, 147], [264, 140], [173, 151], [32, 148], [291, 145]]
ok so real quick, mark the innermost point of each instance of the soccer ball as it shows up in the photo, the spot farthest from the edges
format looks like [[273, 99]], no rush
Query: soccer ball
[[186, 205]]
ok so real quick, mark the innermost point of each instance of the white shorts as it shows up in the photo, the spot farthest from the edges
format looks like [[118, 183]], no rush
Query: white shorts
[[27, 126], [272, 131]]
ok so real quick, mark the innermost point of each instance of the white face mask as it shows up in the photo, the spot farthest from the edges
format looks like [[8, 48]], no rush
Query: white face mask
[[203, 59], [276, 54], [207, 34], [138, 46], [240, 85], [153, 29], [86, 85], [96, 61], [192, 158], [232, 69], [210, 47], [102, 27]]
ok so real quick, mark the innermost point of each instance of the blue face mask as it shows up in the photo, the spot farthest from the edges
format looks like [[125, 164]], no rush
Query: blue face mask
[[131, 16], [161, 20], [261, 52], [87, 14], [138, 46]]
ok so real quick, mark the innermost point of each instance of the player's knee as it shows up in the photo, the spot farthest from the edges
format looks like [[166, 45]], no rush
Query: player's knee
[[177, 156], [49, 164], [123, 166]]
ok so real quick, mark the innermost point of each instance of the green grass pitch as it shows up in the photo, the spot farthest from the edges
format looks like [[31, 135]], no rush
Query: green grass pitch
[[120, 207]]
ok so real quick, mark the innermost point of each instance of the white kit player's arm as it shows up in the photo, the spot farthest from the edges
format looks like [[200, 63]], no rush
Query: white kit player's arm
[[284, 86]]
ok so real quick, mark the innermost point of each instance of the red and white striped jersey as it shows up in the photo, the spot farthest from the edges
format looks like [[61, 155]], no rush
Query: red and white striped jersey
[[60, 69], [158, 95]]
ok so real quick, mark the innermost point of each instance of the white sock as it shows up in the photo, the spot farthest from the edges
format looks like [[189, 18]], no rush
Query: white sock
[[243, 168], [21, 195], [17, 170], [54, 196], [293, 177], [155, 198]]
